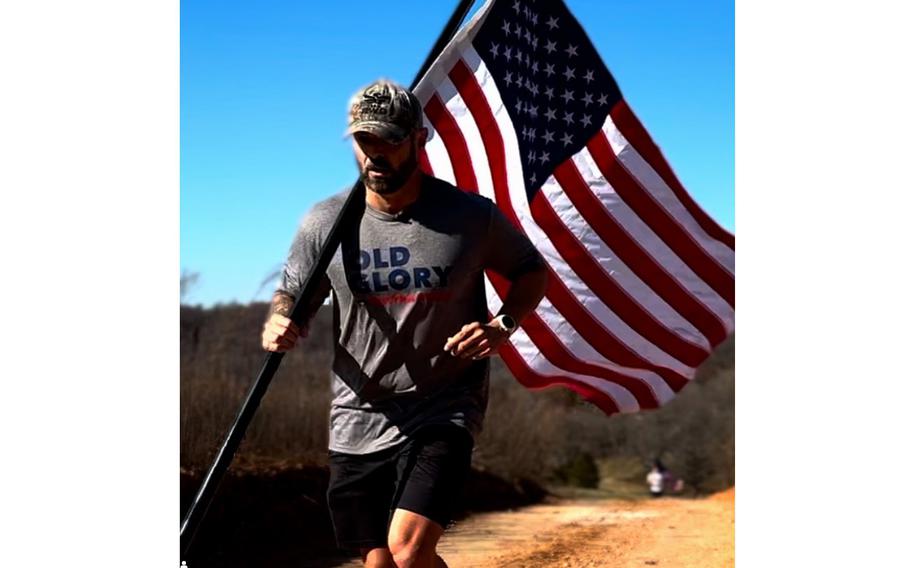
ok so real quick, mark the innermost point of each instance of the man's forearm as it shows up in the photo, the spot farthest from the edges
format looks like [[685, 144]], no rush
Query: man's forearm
[[524, 294], [283, 301]]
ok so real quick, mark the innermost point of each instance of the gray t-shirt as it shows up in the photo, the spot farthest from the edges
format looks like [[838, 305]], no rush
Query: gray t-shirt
[[401, 287]]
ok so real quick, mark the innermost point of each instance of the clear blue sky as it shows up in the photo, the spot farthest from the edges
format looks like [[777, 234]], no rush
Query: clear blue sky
[[264, 86]]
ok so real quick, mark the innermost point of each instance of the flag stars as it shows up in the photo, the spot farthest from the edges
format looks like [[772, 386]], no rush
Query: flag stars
[[551, 82]]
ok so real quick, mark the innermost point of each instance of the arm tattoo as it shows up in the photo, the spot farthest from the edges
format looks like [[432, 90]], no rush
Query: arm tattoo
[[282, 303]]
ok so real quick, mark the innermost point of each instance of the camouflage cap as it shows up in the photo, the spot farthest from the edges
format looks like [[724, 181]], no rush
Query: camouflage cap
[[385, 109]]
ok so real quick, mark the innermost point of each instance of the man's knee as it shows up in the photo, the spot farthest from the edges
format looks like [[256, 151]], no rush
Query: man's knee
[[407, 549], [412, 540]]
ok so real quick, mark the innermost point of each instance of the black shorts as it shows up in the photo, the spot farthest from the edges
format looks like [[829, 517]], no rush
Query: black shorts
[[425, 475]]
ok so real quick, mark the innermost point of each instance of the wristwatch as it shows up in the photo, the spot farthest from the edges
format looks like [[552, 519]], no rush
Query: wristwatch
[[505, 322]]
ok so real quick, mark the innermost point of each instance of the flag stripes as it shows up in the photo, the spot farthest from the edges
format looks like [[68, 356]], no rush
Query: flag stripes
[[601, 284], [650, 299], [641, 279], [624, 122], [709, 269]]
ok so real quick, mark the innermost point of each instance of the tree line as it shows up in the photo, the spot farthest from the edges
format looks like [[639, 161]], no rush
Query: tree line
[[548, 436]]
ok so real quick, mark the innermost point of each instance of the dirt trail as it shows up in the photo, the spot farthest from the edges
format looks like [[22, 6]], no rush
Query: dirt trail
[[668, 532], [663, 532]]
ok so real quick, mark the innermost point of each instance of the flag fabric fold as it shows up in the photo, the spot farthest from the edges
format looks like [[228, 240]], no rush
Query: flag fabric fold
[[522, 110]]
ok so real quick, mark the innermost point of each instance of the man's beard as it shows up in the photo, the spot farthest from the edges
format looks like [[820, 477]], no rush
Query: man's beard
[[396, 177]]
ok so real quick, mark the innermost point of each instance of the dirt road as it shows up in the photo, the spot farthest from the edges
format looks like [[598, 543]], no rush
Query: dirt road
[[666, 532], [616, 534]]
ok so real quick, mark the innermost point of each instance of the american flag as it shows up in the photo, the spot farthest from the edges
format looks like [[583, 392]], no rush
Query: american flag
[[521, 109]]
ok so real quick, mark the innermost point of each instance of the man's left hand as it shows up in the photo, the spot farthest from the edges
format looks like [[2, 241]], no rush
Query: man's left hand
[[476, 340]]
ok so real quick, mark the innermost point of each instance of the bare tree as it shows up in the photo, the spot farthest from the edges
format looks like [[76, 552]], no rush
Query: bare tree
[[187, 281]]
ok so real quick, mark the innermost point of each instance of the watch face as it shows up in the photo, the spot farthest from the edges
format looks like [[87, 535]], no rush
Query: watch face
[[508, 323]]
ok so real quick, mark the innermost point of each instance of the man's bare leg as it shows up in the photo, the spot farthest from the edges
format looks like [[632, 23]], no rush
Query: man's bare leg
[[413, 539], [377, 558]]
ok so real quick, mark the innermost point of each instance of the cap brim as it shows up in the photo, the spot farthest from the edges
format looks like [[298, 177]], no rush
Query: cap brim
[[388, 132]]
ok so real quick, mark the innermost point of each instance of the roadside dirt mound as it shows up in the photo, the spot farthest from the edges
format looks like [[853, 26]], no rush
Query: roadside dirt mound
[[275, 515], [727, 495]]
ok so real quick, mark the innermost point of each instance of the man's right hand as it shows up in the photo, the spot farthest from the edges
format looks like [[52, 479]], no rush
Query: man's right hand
[[280, 334]]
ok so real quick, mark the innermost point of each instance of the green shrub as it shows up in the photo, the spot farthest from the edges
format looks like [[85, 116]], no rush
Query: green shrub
[[580, 471]]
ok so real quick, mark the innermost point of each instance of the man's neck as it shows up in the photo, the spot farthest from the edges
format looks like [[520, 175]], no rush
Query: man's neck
[[393, 203]]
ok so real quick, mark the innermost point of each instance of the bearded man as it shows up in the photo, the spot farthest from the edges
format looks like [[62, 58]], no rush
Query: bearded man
[[412, 334]]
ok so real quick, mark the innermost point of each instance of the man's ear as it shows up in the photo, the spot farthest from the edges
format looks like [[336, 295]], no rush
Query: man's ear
[[422, 137]]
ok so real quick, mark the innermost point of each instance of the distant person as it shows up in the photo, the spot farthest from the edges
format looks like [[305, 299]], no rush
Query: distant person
[[660, 480], [655, 479], [412, 334]]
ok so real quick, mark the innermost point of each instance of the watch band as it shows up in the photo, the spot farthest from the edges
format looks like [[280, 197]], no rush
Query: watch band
[[506, 323]]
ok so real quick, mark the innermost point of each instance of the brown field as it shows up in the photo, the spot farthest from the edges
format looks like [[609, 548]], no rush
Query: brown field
[[270, 511]]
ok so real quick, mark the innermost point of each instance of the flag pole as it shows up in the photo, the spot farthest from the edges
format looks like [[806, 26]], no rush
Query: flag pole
[[347, 219]]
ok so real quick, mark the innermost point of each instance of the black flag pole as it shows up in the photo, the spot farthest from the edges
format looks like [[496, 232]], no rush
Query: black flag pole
[[347, 219]]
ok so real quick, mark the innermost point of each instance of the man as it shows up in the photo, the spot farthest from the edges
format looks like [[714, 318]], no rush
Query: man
[[412, 333]]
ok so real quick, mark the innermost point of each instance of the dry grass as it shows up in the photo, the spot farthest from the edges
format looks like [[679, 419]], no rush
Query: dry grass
[[526, 435]]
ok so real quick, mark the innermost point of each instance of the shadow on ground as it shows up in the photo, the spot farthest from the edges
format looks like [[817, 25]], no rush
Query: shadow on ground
[[278, 518]]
